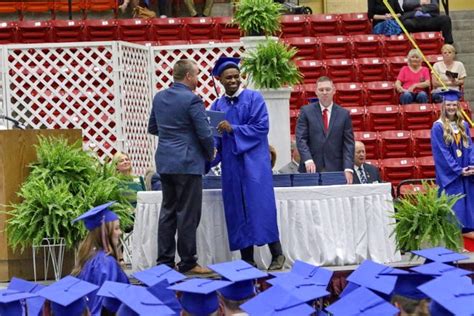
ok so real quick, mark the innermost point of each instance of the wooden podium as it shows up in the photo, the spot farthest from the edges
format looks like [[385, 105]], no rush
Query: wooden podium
[[17, 151]]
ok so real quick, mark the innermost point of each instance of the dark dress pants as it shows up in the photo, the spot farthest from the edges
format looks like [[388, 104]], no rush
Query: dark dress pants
[[434, 24], [180, 211]]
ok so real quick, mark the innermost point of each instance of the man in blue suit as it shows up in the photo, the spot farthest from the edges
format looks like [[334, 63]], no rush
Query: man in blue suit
[[185, 143], [324, 135]]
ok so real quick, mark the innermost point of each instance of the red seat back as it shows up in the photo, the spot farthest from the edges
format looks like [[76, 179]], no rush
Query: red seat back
[[381, 92], [395, 143], [308, 47], [324, 24], [383, 118], [371, 142], [367, 45], [357, 114], [372, 69], [67, 31], [422, 142], [34, 31], [101, 30], [198, 28], [398, 169], [8, 32], [355, 23], [134, 30], [417, 116], [167, 29], [425, 167], [311, 69], [349, 94], [429, 42], [335, 46], [396, 45], [294, 26], [341, 70], [225, 28]]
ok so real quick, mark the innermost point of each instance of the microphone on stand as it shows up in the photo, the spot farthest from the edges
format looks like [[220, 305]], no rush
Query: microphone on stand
[[16, 123]]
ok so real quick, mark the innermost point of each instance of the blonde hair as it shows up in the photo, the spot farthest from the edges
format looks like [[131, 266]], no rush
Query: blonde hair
[[448, 133], [116, 158], [449, 48], [95, 242]]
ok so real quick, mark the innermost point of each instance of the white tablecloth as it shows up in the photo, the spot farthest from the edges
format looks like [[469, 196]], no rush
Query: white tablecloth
[[325, 225]]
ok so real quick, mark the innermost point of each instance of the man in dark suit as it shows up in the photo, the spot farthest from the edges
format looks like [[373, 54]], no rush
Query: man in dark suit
[[185, 143], [364, 172], [324, 135]]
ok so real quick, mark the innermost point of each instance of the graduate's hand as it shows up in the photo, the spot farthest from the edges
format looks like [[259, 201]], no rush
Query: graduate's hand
[[310, 166], [466, 172], [224, 126], [349, 176]]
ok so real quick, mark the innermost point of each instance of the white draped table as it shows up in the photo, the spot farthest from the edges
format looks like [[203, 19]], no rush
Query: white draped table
[[322, 225]]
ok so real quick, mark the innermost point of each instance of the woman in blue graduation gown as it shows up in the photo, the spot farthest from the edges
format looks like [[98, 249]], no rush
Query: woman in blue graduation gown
[[247, 183], [99, 255], [453, 156]]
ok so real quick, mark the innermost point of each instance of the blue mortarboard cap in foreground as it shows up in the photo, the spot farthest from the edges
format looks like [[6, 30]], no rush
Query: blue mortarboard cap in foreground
[[95, 217], [158, 273], [10, 301], [440, 269], [374, 276], [276, 301], [168, 297], [67, 295], [34, 304], [137, 300], [407, 283], [199, 296], [455, 294], [110, 302], [439, 254], [362, 301], [451, 95], [224, 63], [242, 274]]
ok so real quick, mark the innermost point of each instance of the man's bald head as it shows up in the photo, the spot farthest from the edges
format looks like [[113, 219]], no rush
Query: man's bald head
[[359, 155]]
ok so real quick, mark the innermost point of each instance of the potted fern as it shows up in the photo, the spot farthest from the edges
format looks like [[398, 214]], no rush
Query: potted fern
[[425, 219]]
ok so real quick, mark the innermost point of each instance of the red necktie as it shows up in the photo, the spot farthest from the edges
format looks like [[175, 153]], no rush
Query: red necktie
[[325, 119]]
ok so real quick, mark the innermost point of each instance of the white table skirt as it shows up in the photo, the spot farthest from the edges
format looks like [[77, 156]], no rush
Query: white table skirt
[[322, 225]]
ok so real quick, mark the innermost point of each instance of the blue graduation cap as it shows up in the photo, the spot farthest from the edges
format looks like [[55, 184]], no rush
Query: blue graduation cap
[[276, 301], [34, 304], [67, 295], [454, 294], [96, 216], [199, 296], [168, 297], [364, 302], [407, 283], [224, 63], [10, 301], [243, 276], [440, 269], [158, 273], [439, 254], [137, 300], [110, 302], [451, 95]]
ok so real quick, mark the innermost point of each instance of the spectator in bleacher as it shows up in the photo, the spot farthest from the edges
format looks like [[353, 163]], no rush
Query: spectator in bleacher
[[293, 165], [424, 16], [454, 162], [451, 72], [413, 80], [379, 14], [192, 8], [364, 172], [324, 135]]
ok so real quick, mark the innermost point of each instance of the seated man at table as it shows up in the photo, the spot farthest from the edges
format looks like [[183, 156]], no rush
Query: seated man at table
[[364, 172], [293, 165]]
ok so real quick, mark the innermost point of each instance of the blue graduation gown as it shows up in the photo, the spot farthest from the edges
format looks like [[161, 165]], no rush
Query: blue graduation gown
[[448, 167], [247, 187], [98, 269]]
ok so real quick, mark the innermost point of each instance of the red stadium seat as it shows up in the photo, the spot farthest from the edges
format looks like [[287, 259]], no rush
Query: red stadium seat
[[309, 92], [372, 69], [133, 30], [168, 29], [349, 94], [172, 43], [396, 45], [355, 23], [417, 116], [338, 46], [381, 92], [383, 118], [293, 118], [101, 30], [395, 144], [294, 26], [429, 42], [324, 24], [341, 70], [8, 32], [34, 31], [37, 6], [308, 47], [225, 28], [395, 170], [425, 167], [394, 65], [297, 97], [10, 6], [63, 6], [199, 28], [311, 69], [371, 142], [422, 142], [358, 117], [101, 5], [67, 30], [367, 45]]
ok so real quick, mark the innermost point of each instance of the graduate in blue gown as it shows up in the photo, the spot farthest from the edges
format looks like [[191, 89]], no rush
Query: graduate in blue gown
[[453, 157], [247, 187], [98, 253]]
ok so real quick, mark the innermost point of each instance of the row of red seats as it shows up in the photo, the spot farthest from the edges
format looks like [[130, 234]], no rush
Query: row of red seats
[[395, 170], [357, 69], [378, 118], [363, 45]]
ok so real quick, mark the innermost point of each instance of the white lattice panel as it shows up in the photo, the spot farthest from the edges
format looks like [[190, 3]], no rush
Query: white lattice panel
[[135, 105], [3, 109]]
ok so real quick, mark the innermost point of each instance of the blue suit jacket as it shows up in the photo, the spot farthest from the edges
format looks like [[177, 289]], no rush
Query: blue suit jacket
[[331, 151], [185, 138]]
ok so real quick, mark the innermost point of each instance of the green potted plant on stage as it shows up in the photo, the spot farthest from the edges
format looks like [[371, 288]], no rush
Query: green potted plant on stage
[[426, 219], [258, 17], [64, 183]]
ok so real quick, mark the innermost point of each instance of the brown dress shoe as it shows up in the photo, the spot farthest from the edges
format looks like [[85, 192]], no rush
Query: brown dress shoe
[[277, 263], [199, 270]]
